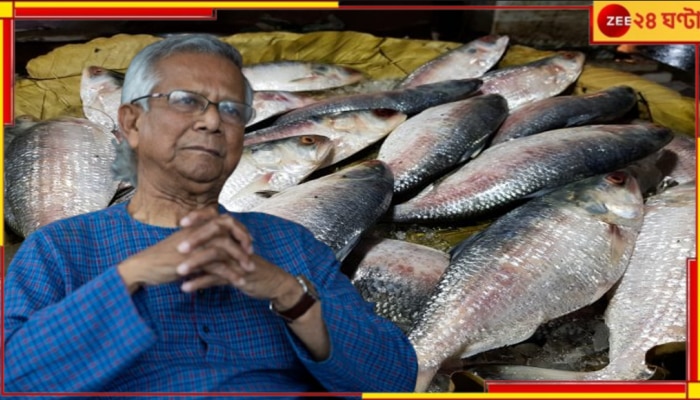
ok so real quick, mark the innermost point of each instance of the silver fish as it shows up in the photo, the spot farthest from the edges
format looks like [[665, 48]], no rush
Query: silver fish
[[101, 92], [468, 61], [681, 166], [339, 207], [350, 132], [57, 169], [648, 307], [674, 164], [566, 111], [524, 84], [22, 124], [397, 276], [295, 76], [512, 170], [529, 267], [273, 166], [408, 101], [269, 103], [431, 142]]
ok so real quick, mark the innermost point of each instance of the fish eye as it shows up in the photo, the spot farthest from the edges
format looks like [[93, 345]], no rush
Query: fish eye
[[307, 140], [471, 51], [321, 68], [616, 178]]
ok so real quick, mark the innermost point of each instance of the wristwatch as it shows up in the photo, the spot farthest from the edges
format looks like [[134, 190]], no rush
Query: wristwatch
[[302, 306]]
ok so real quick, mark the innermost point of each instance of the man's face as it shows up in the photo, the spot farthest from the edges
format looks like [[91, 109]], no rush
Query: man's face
[[190, 151]]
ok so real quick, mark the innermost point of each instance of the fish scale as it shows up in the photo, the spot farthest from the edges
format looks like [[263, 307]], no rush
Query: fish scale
[[350, 131], [512, 170], [541, 79], [436, 139], [408, 101], [528, 267], [648, 308], [57, 169], [339, 207], [470, 60], [566, 111], [272, 166], [296, 76]]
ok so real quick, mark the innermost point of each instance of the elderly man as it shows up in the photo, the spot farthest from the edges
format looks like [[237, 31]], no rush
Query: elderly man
[[172, 293]]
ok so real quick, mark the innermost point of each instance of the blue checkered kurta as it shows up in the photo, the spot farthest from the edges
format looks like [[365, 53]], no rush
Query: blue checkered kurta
[[71, 326]]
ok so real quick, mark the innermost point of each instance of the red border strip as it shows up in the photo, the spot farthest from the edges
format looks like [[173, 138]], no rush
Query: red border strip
[[8, 63], [150, 13], [587, 387], [692, 345]]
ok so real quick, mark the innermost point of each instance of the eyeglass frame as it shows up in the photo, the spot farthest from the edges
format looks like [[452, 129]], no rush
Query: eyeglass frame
[[244, 121]]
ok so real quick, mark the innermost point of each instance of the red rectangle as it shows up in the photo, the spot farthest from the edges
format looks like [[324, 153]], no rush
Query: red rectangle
[[692, 344], [8, 63], [150, 13]]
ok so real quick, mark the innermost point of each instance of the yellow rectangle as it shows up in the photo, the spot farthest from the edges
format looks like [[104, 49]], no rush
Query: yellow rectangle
[[645, 22], [178, 4], [6, 9], [693, 390]]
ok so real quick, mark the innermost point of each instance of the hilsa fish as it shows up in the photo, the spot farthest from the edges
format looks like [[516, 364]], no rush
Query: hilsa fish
[[100, 93], [395, 275], [273, 166], [350, 132], [565, 112], [56, 169], [470, 60], [440, 137], [295, 76], [337, 208], [529, 267], [537, 80], [516, 169], [268, 103], [648, 308], [408, 101]]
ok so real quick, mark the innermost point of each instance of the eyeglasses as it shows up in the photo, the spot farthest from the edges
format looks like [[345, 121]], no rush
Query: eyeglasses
[[189, 102]]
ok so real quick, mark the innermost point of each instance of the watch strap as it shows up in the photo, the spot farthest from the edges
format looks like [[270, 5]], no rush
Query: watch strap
[[308, 298]]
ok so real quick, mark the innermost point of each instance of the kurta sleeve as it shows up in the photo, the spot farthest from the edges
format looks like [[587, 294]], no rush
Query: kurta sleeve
[[64, 339], [368, 353]]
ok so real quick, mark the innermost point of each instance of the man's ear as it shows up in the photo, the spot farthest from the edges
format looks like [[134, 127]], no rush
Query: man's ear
[[128, 117]]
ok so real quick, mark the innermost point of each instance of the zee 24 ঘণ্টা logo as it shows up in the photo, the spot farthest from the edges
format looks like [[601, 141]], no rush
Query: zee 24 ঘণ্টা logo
[[614, 20]]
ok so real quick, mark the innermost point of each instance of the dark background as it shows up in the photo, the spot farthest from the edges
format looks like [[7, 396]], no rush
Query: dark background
[[33, 38]]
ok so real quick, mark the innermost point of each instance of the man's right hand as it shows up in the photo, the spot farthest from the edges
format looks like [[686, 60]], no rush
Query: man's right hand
[[154, 265]]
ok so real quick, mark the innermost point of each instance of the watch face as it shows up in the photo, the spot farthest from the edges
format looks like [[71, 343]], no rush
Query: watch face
[[309, 287]]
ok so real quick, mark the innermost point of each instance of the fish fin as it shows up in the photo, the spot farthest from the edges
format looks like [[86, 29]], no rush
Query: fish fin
[[525, 373], [473, 154], [259, 187], [266, 193], [304, 79], [581, 119], [540, 193], [617, 244], [342, 253], [466, 243]]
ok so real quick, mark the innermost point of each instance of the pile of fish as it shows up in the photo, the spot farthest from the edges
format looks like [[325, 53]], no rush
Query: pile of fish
[[578, 197]]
